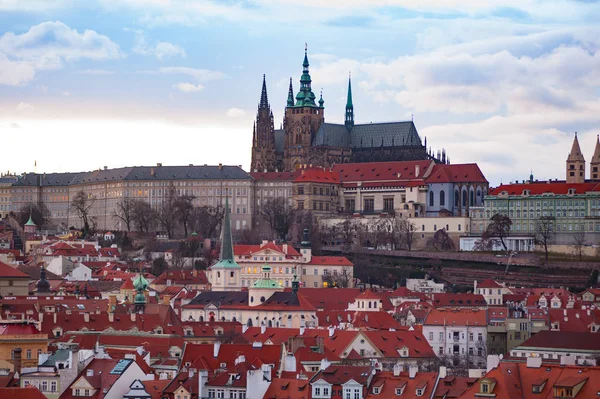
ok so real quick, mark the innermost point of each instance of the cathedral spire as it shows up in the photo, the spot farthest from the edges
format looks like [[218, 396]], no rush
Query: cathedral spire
[[575, 154], [575, 163], [264, 101], [290, 99], [349, 121], [595, 162], [305, 97]]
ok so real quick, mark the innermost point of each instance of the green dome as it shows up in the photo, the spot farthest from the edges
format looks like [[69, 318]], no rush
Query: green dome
[[139, 298], [265, 283], [140, 283]]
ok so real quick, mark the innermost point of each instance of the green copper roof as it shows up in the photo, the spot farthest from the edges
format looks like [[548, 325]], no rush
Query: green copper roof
[[305, 97], [349, 100], [226, 260], [266, 281], [139, 298], [140, 283], [30, 222], [321, 101], [290, 99]]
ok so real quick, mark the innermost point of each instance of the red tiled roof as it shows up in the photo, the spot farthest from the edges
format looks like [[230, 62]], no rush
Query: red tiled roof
[[389, 342], [318, 175], [368, 320], [330, 261], [200, 356], [453, 300], [28, 392], [7, 271], [564, 340], [456, 173], [460, 317], [329, 298], [288, 388], [155, 388], [181, 277], [381, 171], [488, 283], [240, 250], [339, 375], [388, 383], [546, 187]]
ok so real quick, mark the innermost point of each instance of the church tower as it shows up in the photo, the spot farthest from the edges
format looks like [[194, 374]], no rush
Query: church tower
[[595, 162], [575, 164], [225, 274], [263, 136], [301, 122], [349, 119]]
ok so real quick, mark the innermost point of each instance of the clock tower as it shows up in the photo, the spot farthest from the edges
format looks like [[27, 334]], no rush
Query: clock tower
[[303, 117]]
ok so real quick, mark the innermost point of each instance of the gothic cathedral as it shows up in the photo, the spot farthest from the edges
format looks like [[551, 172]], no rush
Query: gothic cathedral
[[306, 139]]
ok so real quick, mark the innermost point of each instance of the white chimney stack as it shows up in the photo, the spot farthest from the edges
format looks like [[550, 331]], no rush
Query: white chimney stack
[[216, 348]]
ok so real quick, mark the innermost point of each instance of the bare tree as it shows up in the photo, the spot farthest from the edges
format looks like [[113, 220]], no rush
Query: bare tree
[[82, 204], [143, 216], [544, 233], [184, 208], [167, 210], [207, 219], [280, 216], [441, 241], [38, 212], [498, 229], [124, 212], [579, 241], [407, 233]]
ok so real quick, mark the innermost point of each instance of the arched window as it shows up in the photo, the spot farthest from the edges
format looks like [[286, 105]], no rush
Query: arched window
[[456, 198], [442, 198], [249, 323], [431, 198], [201, 318], [218, 274], [471, 198], [464, 198]]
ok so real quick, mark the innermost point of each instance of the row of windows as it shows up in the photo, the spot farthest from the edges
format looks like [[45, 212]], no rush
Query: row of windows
[[44, 385]]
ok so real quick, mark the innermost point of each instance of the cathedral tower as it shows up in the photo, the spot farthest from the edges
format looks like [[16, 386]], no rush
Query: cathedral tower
[[575, 164], [595, 162], [263, 137], [301, 122], [349, 120]]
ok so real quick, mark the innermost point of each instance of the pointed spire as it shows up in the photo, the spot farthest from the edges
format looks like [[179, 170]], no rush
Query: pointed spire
[[349, 120], [596, 156], [305, 63], [305, 96], [321, 101], [290, 99], [264, 101], [226, 239], [575, 154]]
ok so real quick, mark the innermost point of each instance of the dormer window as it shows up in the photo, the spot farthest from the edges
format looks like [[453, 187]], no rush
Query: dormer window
[[526, 192], [571, 191], [399, 391], [376, 390]]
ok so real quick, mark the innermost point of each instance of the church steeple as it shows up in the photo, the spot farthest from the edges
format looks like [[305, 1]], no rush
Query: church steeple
[[225, 274], [575, 163], [264, 100], [290, 99], [595, 162], [305, 97], [349, 121], [226, 238]]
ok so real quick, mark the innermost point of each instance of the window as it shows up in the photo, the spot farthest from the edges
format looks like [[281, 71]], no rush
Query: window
[[44, 386], [300, 190], [388, 204], [300, 205], [485, 388], [317, 391], [369, 204], [28, 353], [431, 198], [431, 336], [350, 205], [52, 386], [442, 198], [419, 392]]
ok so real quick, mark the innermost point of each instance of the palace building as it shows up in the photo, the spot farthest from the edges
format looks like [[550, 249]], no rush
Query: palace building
[[306, 139]]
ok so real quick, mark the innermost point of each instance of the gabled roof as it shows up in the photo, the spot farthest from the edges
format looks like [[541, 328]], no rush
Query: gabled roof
[[29, 392], [456, 173], [7, 271], [330, 261], [273, 176], [288, 388], [564, 340], [383, 171], [318, 175], [462, 317], [488, 283], [339, 375]]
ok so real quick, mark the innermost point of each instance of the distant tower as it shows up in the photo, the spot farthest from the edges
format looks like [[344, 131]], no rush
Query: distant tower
[[30, 227], [263, 140], [140, 284], [575, 164], [301, 122], [225, 274], [595, 162], [349, 120], [42, 284]]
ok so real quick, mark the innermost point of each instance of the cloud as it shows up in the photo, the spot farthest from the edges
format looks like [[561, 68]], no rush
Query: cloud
[[188, 87], [235, 112], [162, 50], [96, 72], [32, 5], [25, 107], [49, 45], [201, 75]]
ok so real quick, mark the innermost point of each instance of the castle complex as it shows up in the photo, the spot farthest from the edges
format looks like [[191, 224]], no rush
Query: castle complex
[[306, 139]]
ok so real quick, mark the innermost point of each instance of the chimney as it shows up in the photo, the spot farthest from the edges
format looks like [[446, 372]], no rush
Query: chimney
[[320, 341], [263, 328], [133, 315], [331, 331], [89, 373], [192, 372], [111, 317], [112, 303], [412, 371], [17, 360], [216, 348], [86, 317], [240, 359], [220, 166], [577, 315], [534, 362], [285, 248], [244, 328], [302, 329], [54, 315], [443, 372], [194, 272], [166, 299], [159, 164], [397, 369], [417, 170]]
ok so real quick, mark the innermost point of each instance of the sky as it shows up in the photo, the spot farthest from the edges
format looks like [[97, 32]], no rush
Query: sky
[[94, 83]]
